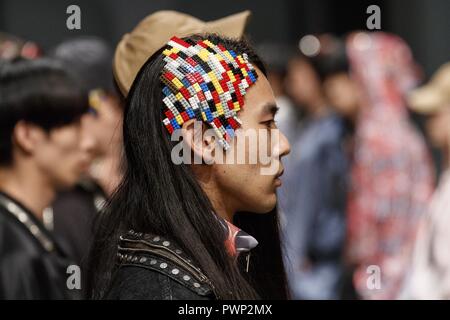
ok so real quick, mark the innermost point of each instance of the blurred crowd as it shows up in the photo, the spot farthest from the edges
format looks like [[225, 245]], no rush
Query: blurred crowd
[[364, 217], [365, 211]]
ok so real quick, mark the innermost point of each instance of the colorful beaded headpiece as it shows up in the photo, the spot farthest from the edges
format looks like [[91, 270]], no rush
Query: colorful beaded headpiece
[[206, 82]]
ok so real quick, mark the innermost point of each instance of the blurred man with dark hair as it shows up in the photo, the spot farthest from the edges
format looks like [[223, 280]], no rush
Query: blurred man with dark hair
[[276, 57], [313, 196], [89, 60], [42, 150]]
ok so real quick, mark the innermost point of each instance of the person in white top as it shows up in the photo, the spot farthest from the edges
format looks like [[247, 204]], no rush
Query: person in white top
[[429, 276]]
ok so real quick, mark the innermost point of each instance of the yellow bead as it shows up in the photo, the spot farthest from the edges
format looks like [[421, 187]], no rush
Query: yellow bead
[[197, 87], [228, 55], [212, 76], [219, 108], [203, 54], [231, 75], [179, 96], [177, 83]]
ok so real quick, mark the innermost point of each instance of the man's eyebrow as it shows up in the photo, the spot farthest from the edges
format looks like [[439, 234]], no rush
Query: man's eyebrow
[[270, 108]]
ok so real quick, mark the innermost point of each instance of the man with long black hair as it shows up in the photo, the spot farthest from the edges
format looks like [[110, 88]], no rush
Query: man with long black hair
[[42, 150], [172, 230]]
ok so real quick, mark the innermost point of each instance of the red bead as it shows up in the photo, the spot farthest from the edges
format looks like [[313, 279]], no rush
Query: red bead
[[201, 96], [202, 44], [191, 61], [169, 75], [215, 96], [223, 84], [225, 65], [184, 116], [169, 114], [169, 128], [221, 47], [180, 42], [185, 93]]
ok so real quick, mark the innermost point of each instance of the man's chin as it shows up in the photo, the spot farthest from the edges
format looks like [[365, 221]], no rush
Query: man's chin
[[67, 183], [268, 206]]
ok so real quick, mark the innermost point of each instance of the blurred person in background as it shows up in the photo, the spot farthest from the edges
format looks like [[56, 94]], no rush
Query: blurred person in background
[[12, 47], [313, 196], [42, 150], [276, 57], [89, 60], [392, 176], [430, 272]]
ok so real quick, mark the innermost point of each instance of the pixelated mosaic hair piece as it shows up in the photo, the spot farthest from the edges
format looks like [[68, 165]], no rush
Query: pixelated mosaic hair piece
[[206, 82]]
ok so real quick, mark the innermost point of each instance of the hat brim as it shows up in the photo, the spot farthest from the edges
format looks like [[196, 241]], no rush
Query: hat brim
[[425, 100], [156, 30]]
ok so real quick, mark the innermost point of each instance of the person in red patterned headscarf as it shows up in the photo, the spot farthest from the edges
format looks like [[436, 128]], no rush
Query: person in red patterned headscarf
[[392, 176]]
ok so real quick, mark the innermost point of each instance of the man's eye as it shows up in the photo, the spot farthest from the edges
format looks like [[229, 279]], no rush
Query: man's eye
[[270, 123]]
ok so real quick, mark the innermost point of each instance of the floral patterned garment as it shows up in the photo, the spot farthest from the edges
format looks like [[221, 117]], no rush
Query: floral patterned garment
[[391, 178]]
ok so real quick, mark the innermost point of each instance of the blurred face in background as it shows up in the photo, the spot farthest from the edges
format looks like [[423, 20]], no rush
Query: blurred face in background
[[438, 128], [105, 126], [342, 94], [63, 154], [302, 83], [106, 123], [276, 82]]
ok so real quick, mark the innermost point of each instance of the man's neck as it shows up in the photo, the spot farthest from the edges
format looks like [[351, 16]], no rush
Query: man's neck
[[29, 187], [222, 208]]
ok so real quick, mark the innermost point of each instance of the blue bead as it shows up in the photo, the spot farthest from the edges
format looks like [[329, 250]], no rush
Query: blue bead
[[204, 87], [186, 82], [174, 124], [166, 91]]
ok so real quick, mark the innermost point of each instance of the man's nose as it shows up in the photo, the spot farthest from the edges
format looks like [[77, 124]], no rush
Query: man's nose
[[88, 141], [284, 148], [280, 144]]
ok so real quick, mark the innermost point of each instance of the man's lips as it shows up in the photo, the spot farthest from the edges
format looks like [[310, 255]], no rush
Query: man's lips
[[279, 174], [278, 182]]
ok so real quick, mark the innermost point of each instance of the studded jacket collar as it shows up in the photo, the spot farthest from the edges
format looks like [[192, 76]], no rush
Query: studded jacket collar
[[161, 255]]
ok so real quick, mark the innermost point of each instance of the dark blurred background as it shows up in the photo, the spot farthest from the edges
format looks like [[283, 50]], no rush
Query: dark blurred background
[[425, 25]]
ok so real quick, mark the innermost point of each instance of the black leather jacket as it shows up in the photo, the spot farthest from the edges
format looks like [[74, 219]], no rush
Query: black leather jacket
[[152, 267], [32, 265]]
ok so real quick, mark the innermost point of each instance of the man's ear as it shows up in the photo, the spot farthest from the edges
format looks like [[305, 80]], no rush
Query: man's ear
[[201, 144], [27, 136]]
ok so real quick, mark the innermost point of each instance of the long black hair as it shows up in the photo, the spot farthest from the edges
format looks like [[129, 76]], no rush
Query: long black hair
[[161, 197]]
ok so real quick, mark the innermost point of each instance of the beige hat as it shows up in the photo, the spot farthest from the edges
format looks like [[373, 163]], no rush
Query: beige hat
[[155, 31], [434, 95]]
